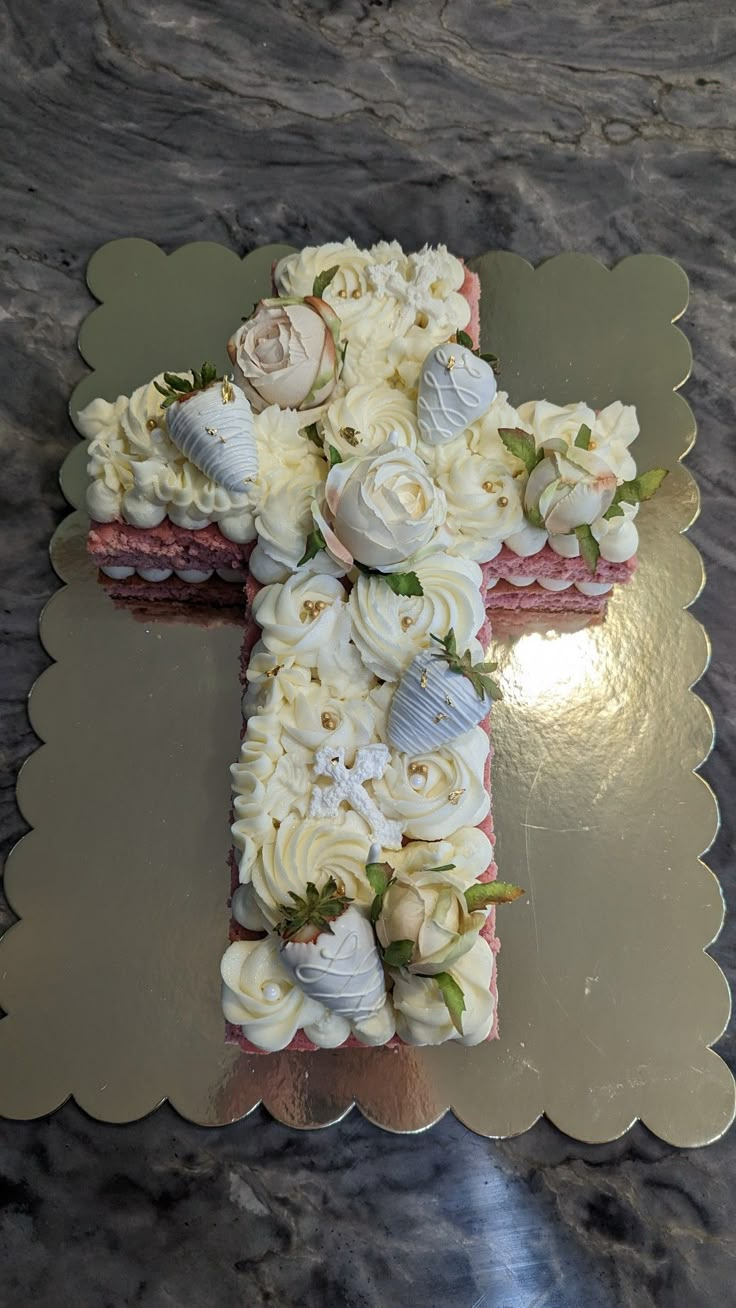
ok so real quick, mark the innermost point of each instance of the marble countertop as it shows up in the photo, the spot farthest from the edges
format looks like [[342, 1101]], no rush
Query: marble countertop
[[528, 126]]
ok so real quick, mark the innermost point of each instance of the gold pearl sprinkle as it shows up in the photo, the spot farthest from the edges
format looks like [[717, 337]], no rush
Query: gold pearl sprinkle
[[592, 445], [406, 623], [228, 393], [319, 606], [350, 435], [329, 721], [340, 885], [211, 431], [357, 293], [502, 501], [440, 717], [272, 672], [152, 424], [450, 363], [343, 294], [489, 486], [424, 679], [456, 795], [418, 770]]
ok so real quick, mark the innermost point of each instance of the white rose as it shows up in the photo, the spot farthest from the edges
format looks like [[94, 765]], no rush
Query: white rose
[[422, 1017], [313, 850], [569, 491], [384, 507], [451, 793], [484, 504], [618, 538], [260, 997], [366, 416], [287, 354], [390, 629], [431, 911]]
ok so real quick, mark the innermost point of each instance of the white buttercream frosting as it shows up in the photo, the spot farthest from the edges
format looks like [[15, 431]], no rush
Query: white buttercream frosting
[[422, 1017], [453, 792], [390, 629], [260, 996]]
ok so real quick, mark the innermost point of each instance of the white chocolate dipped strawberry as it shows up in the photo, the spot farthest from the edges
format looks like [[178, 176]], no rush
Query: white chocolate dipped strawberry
[[330, 950], [210, 421], [441, 695]]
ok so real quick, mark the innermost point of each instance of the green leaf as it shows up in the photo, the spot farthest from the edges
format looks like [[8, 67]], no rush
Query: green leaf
[[180, 384], [323, 279], [648, 483], [403, 583], [312, 431], [483, 893], [315, 543], [582, 440], [589, 551], [398, 953], [443, 867], [375, 909], [615, 511], [641, 488], [454, 998], [209, 374], [521, 445], [343, 352], [334, 455], [491, 359], [534, 516], [162, 390], [462, 338], [378, 875]]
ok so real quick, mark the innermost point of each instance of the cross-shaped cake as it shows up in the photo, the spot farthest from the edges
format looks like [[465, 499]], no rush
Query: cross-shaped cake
[[358, 472]]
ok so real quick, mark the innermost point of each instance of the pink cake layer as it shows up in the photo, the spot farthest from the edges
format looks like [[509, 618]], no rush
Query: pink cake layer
[[545, 563], [505, 596], [471, 290], [166, 546], [301, 1043]]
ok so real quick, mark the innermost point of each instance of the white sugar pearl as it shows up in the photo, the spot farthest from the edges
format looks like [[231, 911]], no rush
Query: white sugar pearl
[[271, 991]]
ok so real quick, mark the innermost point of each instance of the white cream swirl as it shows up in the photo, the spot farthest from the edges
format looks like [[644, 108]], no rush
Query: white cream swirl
[[390, 629], [260, 997], [484, 504], [307, 619], [312, 850], [369, 414], [422, 1017], [452, 792]]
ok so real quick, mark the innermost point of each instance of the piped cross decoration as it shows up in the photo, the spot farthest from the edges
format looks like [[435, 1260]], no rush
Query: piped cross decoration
[[348, 787]]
